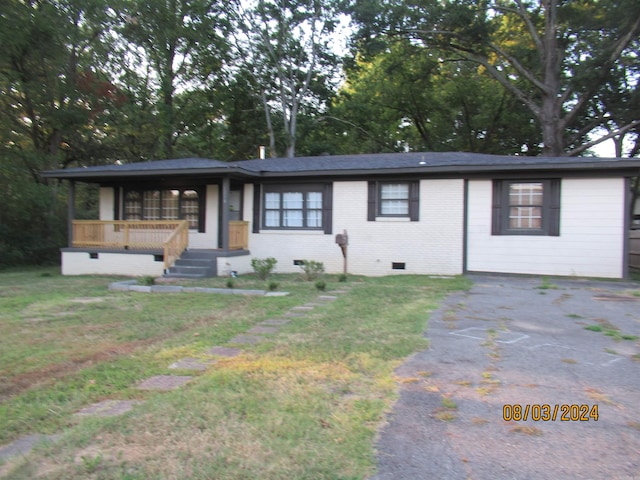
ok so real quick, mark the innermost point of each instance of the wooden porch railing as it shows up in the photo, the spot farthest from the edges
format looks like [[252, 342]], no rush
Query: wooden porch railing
[[172, 236], [177, 243], [238, 235]]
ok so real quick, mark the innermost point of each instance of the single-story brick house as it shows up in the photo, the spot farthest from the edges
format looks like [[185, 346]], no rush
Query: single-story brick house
[[415, 213]]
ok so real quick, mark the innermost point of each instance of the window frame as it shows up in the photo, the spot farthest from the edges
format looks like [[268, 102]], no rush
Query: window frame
[[324, 212], [182, 201], [375, 200], [550, 222]]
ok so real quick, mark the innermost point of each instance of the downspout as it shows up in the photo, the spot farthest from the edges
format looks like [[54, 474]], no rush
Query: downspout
[[224, 214], [71, 212], [626, 245], [465, 225]]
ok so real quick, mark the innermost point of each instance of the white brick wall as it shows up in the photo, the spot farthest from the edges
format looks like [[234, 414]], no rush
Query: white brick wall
[[80, 263], [431, 246], [591, 233], [107, 199], [209, 239]]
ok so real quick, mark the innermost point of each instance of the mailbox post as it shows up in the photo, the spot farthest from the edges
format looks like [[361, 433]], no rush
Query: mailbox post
[[342, 239]]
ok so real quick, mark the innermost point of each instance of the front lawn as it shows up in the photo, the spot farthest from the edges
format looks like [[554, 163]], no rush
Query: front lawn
[[304, 404]]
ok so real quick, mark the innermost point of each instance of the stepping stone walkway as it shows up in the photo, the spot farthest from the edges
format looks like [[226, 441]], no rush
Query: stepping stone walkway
[[189, 364], [106, 408], [263, 330], [275, 321], [244, 339], [225, 352], [24, 445], [164, 382], [109, 408]]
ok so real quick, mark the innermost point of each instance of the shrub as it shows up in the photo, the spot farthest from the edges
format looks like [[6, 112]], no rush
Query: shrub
[[263, 266], [230, 283], [321, 285], [147, 280], [311, 269], [342, 277], [273, 286]]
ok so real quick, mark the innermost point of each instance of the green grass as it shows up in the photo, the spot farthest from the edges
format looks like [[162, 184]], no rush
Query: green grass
[[306, 404], [611, 331]]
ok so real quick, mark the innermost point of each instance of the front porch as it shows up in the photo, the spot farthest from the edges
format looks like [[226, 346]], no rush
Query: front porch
[[143, 247]]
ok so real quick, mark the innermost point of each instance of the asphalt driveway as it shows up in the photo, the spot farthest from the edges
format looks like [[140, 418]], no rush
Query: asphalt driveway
[[513, 341]]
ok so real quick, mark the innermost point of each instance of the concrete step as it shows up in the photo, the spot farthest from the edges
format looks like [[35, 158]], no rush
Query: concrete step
[[195, 264], [200, 254]]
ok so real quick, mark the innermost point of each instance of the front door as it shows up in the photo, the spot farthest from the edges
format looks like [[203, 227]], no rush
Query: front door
[[235, 205]]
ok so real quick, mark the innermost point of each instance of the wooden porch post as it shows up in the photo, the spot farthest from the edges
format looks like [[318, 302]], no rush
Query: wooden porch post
[[71, 211], [224, 214]]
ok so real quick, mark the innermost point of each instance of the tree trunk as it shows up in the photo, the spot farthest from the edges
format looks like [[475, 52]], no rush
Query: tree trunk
[[551, 111]]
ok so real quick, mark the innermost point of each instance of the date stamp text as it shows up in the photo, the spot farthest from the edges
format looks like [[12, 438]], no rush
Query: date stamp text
[[550, 413]]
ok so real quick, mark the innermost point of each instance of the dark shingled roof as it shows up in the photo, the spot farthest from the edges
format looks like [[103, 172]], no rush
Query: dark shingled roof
[[338, 165]]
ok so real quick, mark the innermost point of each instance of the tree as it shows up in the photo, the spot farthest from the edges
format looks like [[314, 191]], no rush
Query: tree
[[286, 44], [552, 55], [181, 43], [52, 92], [403, 98]]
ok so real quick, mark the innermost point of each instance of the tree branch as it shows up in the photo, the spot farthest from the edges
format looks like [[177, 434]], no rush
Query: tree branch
[[578, 150]]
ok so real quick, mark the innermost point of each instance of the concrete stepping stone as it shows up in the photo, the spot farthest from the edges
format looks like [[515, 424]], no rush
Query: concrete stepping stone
[[164, 382], [263, 330], [189, 364], [302, 308], [108, 408], [293, 314], [275, 322], [24, 445], [327, 298], [246, 339], [225, 352]]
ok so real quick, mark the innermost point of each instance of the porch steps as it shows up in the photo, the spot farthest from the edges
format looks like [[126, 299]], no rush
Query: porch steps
[[195, 263]]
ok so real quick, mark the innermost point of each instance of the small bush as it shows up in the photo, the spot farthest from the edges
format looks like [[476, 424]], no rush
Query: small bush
[[321, 285], [311, 269], [342, 277], [147, 280], [263, 266], [273, 286], [230, 283]]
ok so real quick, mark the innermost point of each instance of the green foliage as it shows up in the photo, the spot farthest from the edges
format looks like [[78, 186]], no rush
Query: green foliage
[[230, 283], [147, 280], [321, 285], [311, 269], [273, 286], [342, 278], [263, 267]]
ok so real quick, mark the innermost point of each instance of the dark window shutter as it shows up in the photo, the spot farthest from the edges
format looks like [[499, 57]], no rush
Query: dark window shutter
[[116, 203], [554, 208], [496, 208], [327, 208], [414, 201], [202, 209], [257, 191], [371, 202]]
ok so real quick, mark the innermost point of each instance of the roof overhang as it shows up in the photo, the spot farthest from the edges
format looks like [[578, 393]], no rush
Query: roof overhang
[[441, 164]]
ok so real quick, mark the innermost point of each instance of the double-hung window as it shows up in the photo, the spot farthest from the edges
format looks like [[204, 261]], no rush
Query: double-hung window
[[297, 206], [183, 204], [393, 199], [526, 207]]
